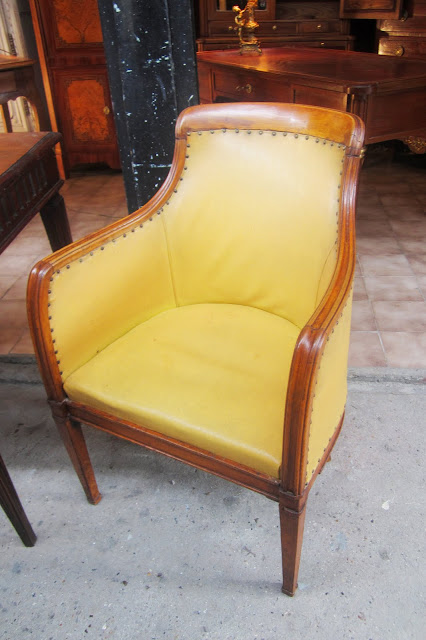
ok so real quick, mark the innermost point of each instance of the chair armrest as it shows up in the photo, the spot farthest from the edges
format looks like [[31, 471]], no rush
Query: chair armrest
[[330, 390], [316, 397], [317, 387], [88, 294]]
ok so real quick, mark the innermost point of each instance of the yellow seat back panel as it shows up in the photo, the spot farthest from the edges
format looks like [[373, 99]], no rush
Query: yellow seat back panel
[[98, 298], [231, 242], [212, 375]]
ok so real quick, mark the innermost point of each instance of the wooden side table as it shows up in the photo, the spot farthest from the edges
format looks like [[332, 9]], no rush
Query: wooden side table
[[30, 183]]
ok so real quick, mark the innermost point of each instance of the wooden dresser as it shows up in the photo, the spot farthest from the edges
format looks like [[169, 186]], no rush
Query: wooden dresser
[[70, 48], [281, 23], [406, 36]]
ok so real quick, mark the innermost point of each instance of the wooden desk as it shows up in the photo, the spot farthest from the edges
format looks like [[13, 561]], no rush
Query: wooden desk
[[17, 79], [388, 93], [30, 183]]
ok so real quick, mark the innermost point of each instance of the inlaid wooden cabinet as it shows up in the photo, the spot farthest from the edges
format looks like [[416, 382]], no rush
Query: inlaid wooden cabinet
[[69, 39], [281, 23]]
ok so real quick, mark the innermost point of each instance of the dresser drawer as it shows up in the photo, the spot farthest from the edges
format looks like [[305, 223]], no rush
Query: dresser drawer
[[415, 25], [222, 28], [249, 87], [407, 47], [320, 26], [326, 41], [277, 28]]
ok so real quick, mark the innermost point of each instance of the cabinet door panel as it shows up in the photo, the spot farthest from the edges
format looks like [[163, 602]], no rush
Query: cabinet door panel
[[76, 83], [76, 22], [375, 9], [88, 127]]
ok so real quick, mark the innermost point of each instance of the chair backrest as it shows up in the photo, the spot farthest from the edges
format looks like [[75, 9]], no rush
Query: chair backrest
[[254, 219]]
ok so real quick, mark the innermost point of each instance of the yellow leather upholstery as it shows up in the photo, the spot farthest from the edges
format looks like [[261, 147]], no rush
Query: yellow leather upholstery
[[214, 375], [330, 391], [112, 290], [186, 324], [196, 251], [219, 223]]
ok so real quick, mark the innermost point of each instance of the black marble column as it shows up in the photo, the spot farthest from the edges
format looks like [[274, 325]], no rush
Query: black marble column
[[150, 51]]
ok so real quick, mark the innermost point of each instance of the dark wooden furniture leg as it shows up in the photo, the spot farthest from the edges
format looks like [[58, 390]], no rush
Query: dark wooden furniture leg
[[55, 220], [72, 435], [292, 521], [13, 508]]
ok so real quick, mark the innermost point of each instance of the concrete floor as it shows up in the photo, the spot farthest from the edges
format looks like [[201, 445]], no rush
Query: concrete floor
[[171, 552]]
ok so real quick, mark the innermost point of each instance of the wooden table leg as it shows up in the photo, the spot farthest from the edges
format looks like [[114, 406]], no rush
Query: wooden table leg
[[13, 508], [55, 220]]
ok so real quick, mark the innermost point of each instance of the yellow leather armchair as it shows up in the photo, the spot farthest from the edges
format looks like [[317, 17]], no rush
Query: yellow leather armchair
[[212, 324]]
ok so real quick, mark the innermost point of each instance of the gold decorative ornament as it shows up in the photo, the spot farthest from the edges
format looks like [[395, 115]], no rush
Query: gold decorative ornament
[[246, 25], [416, 144]]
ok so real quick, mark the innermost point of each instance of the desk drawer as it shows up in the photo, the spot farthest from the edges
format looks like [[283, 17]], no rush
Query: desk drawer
[[249, 87]]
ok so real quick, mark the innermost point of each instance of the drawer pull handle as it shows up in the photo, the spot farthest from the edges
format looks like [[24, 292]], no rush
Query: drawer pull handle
[[231, 28], [247, 88], [274, 27], [106, 111], [319, 26], [399, 51]]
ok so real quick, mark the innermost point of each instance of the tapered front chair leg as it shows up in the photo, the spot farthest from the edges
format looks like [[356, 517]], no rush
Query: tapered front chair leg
[[74, 441], [292, 523]]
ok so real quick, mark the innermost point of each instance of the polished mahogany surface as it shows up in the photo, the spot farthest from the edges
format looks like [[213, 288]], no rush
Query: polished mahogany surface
[[349, 68]]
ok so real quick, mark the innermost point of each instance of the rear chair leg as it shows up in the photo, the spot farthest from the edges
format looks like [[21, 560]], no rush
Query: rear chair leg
[[75, 444], [292, 523]]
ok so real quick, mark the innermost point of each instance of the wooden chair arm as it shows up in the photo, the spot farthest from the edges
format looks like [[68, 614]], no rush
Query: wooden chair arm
[[316, 340], [81, 255]]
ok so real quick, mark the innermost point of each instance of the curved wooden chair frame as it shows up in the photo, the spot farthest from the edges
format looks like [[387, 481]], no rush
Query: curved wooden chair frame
[[292, 489]]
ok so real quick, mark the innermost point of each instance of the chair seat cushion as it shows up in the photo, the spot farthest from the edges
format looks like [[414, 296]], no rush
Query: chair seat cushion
[[211, 375]]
